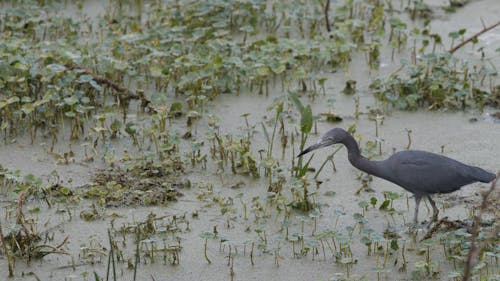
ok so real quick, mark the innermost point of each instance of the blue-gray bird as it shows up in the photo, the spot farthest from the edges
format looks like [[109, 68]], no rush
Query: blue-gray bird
[[421, 173]]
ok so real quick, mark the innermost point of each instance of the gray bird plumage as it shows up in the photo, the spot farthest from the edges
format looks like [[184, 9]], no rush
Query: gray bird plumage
[[421, 173]]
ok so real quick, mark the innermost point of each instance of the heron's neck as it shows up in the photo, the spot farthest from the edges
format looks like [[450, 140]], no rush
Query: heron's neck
[[358, 161]]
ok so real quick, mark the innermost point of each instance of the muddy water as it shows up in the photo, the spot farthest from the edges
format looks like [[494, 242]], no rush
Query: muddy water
[[472, 142], [465, 136]]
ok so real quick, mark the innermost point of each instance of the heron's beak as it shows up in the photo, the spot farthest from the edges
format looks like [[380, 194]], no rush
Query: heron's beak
[[313, 147]]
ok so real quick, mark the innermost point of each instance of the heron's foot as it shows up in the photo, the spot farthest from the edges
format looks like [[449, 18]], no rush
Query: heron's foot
[[414, 226], [431, 223], [415, 229], [433, 220]]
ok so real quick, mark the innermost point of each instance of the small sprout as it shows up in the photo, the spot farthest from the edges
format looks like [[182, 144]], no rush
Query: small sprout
[[384, 206], [330, 193], [350, 87], [331, 117], [175, 110], [364, 205], [359, 218], [206, 235]]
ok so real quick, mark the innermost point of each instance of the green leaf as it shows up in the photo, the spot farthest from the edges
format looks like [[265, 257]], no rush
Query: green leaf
[[394, 244], [56, 67], [363, 204], [304, 169], [278, 69], [27, 108], [392, 195], [65, 191], [71, 100], [131, 128], [266, 134], [247, 28], [263, 71], [384, 205], [207, 235], [330, 193], [30, 178], [176, 107], [365, 240], [315, 214], [346, 260], [359, 218], [293, 96], [155, 71], [116, 125], [95, 85], [217, 62], [12, 100], [299, 73], [306, 120], [85, 78]]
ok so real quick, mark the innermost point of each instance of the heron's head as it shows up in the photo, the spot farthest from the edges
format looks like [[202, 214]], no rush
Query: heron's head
[[331, 137]]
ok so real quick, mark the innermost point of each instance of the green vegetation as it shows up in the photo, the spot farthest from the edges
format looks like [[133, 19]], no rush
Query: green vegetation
[[438, 81], [132, 91]]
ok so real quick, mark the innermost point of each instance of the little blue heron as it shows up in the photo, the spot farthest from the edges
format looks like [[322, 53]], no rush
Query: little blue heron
[[421, 173]]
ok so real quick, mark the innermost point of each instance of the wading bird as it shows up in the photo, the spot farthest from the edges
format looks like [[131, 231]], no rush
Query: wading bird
[[421, 173]]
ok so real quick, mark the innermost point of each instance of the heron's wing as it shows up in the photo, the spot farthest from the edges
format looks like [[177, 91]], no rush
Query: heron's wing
[[424, 172]]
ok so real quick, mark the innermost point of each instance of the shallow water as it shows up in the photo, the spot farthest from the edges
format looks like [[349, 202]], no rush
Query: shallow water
[[471, 142], [465, 136]]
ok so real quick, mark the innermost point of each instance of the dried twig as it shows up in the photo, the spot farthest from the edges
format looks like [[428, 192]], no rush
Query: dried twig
[[20, 215], [124, 92], [62, 243], [475, 226], [474, 36], [41, 251], [446, 224]]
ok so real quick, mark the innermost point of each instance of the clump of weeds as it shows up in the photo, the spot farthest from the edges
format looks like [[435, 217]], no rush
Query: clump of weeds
[[142, 183], [23, 239]]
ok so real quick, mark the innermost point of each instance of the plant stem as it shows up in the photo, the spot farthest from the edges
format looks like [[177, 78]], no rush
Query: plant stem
[[9, 258], [475, 226], [474, 36], [205, 251], [137, 252]]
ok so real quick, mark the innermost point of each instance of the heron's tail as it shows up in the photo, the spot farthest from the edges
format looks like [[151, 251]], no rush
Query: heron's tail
[[482, 175]]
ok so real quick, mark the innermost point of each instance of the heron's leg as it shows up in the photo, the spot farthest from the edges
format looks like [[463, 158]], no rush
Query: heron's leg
[[435, 210], [417, 203]]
